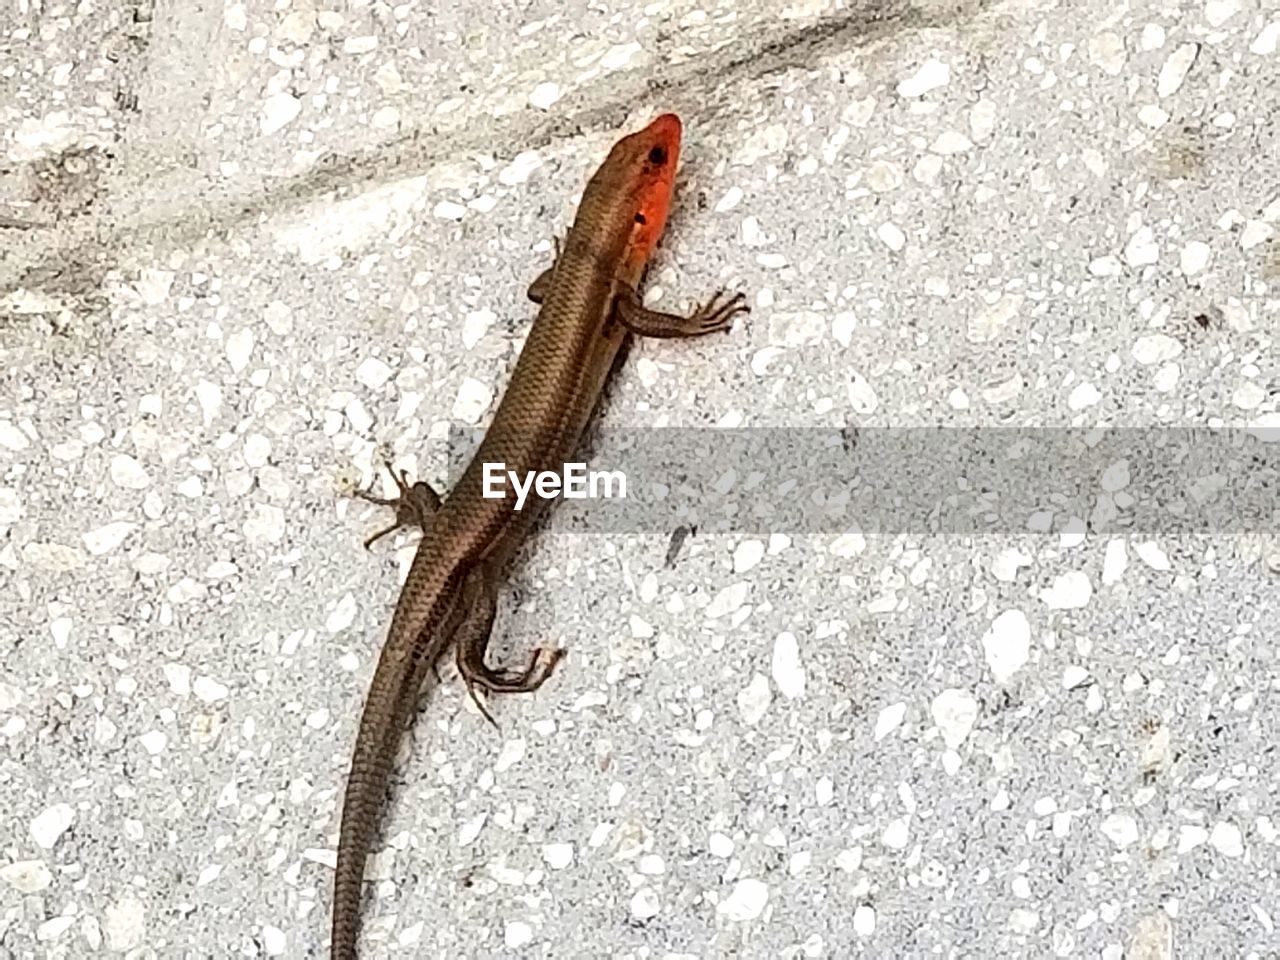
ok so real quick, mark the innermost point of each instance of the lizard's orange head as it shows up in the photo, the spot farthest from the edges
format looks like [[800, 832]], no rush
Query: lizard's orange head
[[649, 157]]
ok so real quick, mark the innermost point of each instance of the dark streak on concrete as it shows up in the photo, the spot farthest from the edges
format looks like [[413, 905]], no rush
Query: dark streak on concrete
[[701, 88]]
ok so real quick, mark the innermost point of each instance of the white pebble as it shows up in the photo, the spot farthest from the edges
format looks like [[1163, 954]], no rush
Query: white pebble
[[48, 826], [234, 17], [1006, 563], [788, 671], [765, 142], [1108, 266], [1114, 562], [127, 473], [209, 690], [1074, 676], [53, 929], [257, 450], [11, 438], [521, 167], [931, 75], [342, 615], [754, 700], [1121, 829], [154, 742], [153, 285], [1106, 51], [989, 323], [732, 197], [1175, 69], [747, 554], [278, 111], [891, 236], [1153, 116], [474, 397], [298, 26], [470, 829], [1007, 644], [1268, 40], [847, 545], [1116, 477], [178, 676], [209, 397], [927, 168], [1083, 395], [619, 55], [373, 373], [384, 118], [26, 876], [954, 712], [1191, 836], [982, 119], [1248, 396], [897, 834], [951, 142], [544, 95], [1142, 248], [557, 855], [265, 524], [1004, 391], [475, 324], [862, 396], [864, 920], [1153, 556], [889, 719], [359, 45], [1194, 257], [107, 537], [1155, 348], [1218, 12], [884, 176], [448, 210], [1255, 232], [240, 349], [1070, 591], [824, 791], [274, 942], [746, 902], [1266, 427], [727, 600], [1227, 839], [1166, 378], [125, 924], [517, 934], [645, 903]]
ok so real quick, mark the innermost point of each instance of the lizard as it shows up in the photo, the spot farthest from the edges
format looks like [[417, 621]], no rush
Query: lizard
[[589, 305]]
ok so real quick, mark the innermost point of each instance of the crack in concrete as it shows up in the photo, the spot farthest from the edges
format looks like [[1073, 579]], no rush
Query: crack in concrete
[[700, 88]]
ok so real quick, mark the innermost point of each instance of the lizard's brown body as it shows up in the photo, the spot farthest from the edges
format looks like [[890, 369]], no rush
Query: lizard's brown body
[[589, 305]]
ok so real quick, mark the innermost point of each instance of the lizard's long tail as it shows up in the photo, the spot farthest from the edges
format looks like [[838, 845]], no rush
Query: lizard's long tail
[[417, 638]]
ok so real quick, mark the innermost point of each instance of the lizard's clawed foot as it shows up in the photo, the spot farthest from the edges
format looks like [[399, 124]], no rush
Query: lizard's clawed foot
[[414, 505], [717, 315], [477, 674]]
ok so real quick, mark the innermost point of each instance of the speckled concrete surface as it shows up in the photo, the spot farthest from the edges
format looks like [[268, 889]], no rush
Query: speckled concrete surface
[[247, 246]]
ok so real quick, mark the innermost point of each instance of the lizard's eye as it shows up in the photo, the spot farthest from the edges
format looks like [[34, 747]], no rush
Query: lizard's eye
[[658, 156], [640, 219]]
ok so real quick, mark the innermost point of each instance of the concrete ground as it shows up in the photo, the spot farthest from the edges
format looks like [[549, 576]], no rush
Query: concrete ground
[[245, 247]]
